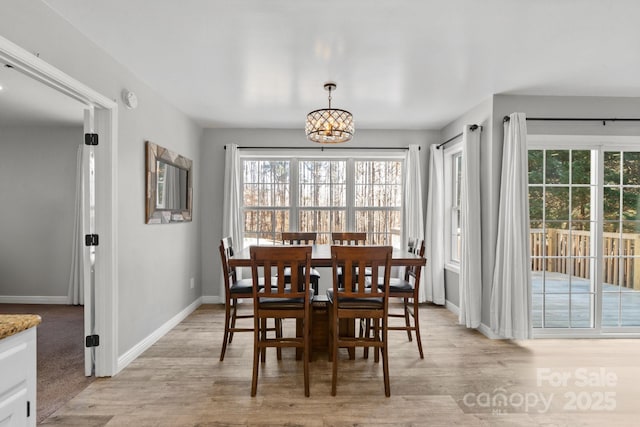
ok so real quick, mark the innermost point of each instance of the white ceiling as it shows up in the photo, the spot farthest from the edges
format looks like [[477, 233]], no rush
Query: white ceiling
[[399, 64]]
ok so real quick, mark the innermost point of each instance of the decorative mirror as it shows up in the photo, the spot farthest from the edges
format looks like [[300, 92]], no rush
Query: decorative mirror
[[169, 186]]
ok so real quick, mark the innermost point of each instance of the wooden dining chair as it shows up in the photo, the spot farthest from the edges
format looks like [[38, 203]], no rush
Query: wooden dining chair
[[235, 289], [356, 300], [302, 238], [407, 288], [279, 300]]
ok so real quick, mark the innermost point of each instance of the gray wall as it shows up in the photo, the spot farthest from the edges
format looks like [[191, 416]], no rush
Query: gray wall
[[155, 262], [213, 154], [37, 185]]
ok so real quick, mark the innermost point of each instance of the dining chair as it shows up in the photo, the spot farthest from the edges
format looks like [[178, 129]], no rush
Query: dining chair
[[280, 300], [235, 289], [302, 238], [407, 288], [356, 300]]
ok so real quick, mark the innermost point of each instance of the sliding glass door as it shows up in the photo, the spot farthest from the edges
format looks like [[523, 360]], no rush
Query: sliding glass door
[[585, 237]]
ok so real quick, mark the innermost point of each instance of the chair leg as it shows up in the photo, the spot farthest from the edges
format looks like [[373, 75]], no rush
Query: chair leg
[[256, 355], [263, 334], [306, 355], [278, 326], [233, 318], [406, 318], [227, 316], [365, 331], [376, 334], [385, 359], [334, 357], [416, 321]]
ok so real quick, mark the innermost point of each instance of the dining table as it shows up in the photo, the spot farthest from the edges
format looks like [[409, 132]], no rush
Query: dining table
[[321, 257]]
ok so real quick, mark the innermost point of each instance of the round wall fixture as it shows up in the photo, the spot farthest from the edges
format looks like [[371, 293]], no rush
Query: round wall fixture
[[130, 99]]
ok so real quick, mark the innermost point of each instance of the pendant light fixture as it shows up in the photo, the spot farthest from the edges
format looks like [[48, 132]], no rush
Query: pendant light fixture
[[329, 125]]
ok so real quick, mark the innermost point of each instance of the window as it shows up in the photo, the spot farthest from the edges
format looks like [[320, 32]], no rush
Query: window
[[266, 200], [322, 195], [378, 198], [453, 187]]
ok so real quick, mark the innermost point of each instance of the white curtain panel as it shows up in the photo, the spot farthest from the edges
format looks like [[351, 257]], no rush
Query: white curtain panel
[[75, 294], [471, 251], [511, 289], [232, 217], [413, 218], [434, 240]]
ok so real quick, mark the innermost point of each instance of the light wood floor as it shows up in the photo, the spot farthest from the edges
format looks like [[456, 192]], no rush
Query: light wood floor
[[465, 379]]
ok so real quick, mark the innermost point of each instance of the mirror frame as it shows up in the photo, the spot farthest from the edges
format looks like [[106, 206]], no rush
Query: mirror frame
[[153, 215]]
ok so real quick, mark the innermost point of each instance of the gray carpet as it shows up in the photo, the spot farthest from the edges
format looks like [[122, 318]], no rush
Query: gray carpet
[[60, 353]]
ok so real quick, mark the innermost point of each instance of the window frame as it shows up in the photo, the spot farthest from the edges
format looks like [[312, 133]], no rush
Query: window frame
[[295, 156], [450, 154]]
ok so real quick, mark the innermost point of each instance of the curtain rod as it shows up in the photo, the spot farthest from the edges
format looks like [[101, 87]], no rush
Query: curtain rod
[[321, 148], [473, 127], [577, 119]]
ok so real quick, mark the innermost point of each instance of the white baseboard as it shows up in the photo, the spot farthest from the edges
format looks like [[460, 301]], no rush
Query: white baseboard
[[452, 307], [487, 332], [212, 299], [483, 329], [11, 299], [142, 346]]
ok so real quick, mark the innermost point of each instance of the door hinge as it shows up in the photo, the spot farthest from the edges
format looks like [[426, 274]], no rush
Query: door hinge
[[92, 341], [90, 139], [28, 409], [91, 240]]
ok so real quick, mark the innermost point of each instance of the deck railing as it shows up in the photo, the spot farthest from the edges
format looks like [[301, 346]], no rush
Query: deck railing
[[569, 252]]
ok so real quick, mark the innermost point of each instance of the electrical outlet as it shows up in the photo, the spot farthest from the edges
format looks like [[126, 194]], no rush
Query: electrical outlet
[[192, 283]]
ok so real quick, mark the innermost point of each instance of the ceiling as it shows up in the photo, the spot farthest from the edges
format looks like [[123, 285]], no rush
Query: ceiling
[[398, 64]]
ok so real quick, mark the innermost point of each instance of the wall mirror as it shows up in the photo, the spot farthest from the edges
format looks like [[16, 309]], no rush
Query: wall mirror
[[169, 196]]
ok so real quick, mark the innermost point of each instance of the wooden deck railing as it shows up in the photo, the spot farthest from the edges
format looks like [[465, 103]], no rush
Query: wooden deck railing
[[568, 252]]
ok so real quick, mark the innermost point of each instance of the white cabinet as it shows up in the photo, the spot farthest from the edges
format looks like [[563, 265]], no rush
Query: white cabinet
[[18, 379]]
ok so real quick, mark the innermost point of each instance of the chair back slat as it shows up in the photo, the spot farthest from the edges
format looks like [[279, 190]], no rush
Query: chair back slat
[[348, 238], [271, 261], [299, 238]]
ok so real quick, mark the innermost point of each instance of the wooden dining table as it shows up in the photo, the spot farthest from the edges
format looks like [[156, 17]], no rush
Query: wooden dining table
[[321, 257]]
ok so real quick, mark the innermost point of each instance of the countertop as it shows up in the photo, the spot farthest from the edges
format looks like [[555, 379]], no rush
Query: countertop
[[11, 324]]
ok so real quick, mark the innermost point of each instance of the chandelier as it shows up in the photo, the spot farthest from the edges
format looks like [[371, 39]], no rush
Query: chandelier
[[329, 125]]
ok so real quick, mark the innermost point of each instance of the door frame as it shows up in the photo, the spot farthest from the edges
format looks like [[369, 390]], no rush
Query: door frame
[[587, 142], [106, 113]]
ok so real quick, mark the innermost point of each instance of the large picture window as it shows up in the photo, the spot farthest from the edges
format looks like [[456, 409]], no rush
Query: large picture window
[[322, 195]]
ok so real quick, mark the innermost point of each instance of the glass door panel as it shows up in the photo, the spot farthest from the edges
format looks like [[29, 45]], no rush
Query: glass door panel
[[562, 253], [621, 240]]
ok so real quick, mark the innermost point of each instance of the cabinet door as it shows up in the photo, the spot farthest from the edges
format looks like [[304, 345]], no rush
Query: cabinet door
[[13, 407], [18, 379]]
